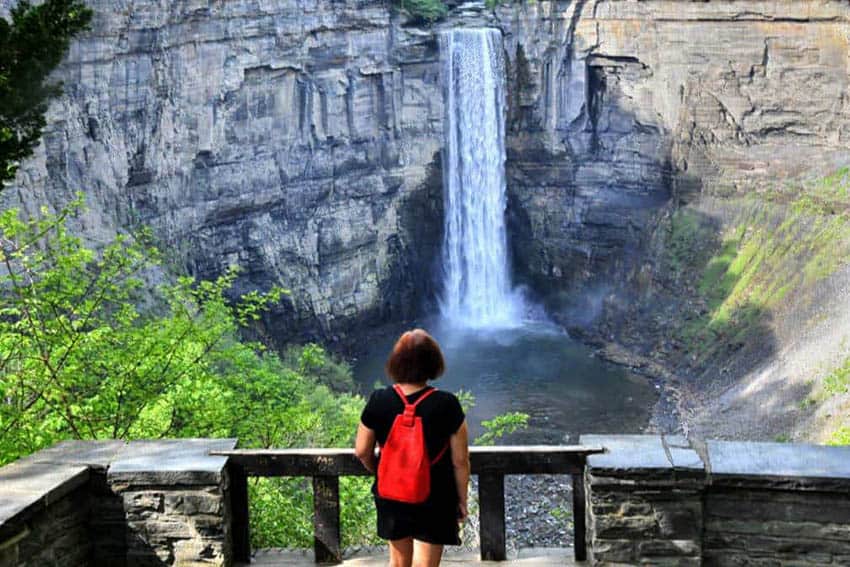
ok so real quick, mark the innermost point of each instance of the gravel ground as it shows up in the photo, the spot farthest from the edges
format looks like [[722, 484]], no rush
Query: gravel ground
[[538, 512]]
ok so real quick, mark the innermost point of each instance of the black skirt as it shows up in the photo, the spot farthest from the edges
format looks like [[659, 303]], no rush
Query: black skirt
[[433, 521]]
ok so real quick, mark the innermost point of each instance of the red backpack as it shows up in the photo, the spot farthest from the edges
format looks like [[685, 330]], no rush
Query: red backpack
[[404, 469]]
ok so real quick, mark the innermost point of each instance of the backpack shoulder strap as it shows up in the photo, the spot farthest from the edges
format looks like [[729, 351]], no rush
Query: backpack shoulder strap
[[441, 453], [401, 395]]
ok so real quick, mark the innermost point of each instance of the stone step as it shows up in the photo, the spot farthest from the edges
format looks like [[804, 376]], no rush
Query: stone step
[[536, 556]]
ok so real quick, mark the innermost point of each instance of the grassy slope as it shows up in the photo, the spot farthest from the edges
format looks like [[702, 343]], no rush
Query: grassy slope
[[768, 254]]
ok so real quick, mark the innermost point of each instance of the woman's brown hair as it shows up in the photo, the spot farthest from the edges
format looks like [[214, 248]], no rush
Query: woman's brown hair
[[416, 358]]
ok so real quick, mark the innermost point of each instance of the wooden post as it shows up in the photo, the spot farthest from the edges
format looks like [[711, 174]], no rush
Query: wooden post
[[239, 510], [326, 535], [491, 500], [579, 518]]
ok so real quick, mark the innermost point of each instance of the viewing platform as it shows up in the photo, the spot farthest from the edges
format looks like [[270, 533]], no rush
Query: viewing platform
[[636, 499], [537, 557]]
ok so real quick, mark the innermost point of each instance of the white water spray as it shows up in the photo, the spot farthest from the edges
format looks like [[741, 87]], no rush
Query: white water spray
[[476, 286]]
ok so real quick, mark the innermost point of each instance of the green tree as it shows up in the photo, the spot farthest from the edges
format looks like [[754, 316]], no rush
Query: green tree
[[31, 46], [79, 359]]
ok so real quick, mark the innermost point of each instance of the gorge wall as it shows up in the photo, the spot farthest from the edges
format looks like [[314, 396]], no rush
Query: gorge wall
[[301, 141], [673, 189], [297, 140], [621, 106]]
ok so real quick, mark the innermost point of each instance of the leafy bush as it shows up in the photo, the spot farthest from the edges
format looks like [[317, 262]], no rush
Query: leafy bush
[[312, 359], [496, 427], [79, 359], [840, 437], [426, 10], [501, 425], [838, 381]]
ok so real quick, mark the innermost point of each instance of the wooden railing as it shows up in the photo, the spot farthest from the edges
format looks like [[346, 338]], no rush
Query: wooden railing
[[325, 466]]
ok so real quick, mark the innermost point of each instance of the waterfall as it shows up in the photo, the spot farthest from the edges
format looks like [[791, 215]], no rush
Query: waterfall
[[476, 280]]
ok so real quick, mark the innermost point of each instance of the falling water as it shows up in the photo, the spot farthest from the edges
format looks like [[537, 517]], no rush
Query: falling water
[[477, 288]]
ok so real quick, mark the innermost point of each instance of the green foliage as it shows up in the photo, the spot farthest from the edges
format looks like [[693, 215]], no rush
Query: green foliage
[[497, 427], [563, 515], [78, 359], [432, 10], [840, 437], [281, 511], [285, 408], [466, 399], [687, 235], [838, 381], [31, 46], [777, 245], [312, 359], [425, 10], [835, 383], [357, 511], [501, 425]]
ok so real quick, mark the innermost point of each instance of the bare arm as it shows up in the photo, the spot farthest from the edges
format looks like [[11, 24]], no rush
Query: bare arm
[[459, 442], [364, 447]]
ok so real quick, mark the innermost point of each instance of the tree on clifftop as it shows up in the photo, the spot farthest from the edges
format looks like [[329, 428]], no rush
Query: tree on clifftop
[[31, 46]]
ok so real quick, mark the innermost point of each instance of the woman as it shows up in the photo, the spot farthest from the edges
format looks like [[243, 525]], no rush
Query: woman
[[418, 532]]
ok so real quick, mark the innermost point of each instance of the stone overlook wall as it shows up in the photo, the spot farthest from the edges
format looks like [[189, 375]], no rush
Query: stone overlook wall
[[655, 500], [44, 514], [651, 500], [301, 139], [116, 504]]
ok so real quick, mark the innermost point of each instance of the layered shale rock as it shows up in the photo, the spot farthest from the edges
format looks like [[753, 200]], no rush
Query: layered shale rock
[[619, 107], [297, 140]]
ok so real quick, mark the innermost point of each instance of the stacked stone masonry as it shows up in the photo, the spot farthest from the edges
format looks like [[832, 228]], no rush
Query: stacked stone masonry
[[655, 500], [651, 500], [58, 535], [107, 503]]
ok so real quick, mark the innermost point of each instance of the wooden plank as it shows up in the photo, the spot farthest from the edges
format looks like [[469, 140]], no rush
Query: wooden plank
[[326, 532], [341, 462], [491, 499], [579, 518], [239, 513], [491, 464], [517, 459], [526, 462]]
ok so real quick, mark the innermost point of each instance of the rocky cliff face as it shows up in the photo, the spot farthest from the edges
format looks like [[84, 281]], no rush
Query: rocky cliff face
[[301, 139], [621, 108], [656, 146], [298, 140]]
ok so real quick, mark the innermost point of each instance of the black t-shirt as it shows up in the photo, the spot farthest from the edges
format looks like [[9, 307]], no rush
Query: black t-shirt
[[435, 520], [440, 412]]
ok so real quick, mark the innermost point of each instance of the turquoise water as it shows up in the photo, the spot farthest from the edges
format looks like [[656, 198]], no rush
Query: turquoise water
[[535, 368]]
